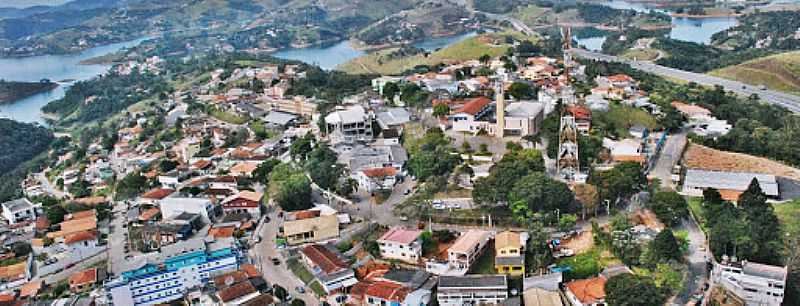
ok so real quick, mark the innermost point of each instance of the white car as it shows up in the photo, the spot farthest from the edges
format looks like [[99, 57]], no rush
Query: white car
[[437, 204], [454, 205]]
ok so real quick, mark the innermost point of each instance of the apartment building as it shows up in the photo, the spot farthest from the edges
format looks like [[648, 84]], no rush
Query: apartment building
[[472, 290], [401, 244], [755, 283]]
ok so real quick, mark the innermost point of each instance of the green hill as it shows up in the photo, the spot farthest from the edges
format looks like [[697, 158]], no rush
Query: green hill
[[778, 72]]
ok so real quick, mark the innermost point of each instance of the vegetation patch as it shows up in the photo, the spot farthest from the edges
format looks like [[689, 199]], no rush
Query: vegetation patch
[[778, 72]]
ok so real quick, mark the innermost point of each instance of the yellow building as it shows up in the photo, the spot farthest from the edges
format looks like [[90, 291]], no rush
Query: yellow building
[[509, 254]]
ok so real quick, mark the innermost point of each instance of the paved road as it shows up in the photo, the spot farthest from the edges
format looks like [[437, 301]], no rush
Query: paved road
[[47, 186], [698, 253], [117, 239], [790, 102], [280, 274], [668, 158]]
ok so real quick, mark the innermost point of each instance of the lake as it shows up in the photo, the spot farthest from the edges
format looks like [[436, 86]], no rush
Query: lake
[[328, 57], [56, 68], [698, 30]]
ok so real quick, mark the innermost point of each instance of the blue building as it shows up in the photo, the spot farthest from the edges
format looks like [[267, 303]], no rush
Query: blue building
[[169, 274]]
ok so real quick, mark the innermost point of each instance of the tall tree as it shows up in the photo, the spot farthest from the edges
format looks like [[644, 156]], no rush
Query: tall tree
[[588, 197], [666, 247], [669, 206], [632, 290], [763, 224]]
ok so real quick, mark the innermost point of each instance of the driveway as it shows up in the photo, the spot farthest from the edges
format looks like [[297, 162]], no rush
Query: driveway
[[698, 253]]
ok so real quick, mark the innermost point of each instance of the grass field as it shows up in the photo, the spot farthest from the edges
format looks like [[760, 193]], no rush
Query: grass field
[[227, 117], [789, 215], [380, 62], [589, 264], [778, 72]]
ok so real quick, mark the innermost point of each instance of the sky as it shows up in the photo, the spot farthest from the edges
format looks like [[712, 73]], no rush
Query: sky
[[27, 3]]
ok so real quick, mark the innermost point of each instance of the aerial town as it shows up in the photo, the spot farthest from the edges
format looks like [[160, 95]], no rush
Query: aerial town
[[541, 175]]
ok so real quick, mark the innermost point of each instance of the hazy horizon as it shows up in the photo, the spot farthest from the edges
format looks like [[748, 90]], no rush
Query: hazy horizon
[[29, 3]]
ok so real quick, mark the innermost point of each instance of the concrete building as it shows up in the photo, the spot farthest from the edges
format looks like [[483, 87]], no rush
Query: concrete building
[[244, 202], [174, 206], [19, 210], [472, 290], [462, 254], [166, 276], [310, 226], [349, 125], [757, 284], [329, 269], [401, 244]]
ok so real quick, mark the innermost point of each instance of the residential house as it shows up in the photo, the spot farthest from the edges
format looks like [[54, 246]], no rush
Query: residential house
[[374, 179], [401, 244], [583, 117], [472, 290], [14, 276], [81, 244], [462, 254], [465, 118], [244, 202], [237, 294], [329, 269], [385, 293], [542, 290], [755, 283], [244, 169], [19, 210], [310, 226], [587, 292], [509, 253], [393, 118], [83, 281], [626, 150], [349, 125]]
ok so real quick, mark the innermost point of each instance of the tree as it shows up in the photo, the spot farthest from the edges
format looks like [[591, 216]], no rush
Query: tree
[[484, 59], [567, 222], [130, 186], [390, 89], [261, 174], [322, 166], [441, 110], [764, 226], [588, 197], [669, 206], [521, 91], [347, 187], [620, 291], [167, 165], [503, 175], [294, 193], [543, 194], [298, 302], [301, 146], [665, 247]]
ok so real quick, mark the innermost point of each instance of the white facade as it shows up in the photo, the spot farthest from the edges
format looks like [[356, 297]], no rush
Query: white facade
[[19, 210], [472, 290], [349, 125], [409, 252], [171, 207], [757, 284]]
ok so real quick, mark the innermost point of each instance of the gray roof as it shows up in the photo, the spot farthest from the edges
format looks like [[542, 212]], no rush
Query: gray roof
[[279, 118], [17, 205], [411, 278], [393, 116], [548, 282], [612, 271], [252, 109], [766, 271], [377, 156], [524, 109], [472, 281], [739, 181], [509, 260]]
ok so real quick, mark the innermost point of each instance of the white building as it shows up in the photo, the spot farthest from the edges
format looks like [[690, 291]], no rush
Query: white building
[[173, 206], [401, 244], [158, 278], [472, 290], [19, 210], [329, 269], [349, 125], [462, 254], [757, 284]]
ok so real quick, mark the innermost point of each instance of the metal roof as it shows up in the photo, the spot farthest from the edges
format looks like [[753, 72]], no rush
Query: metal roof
[[473, 281], [722, 180]]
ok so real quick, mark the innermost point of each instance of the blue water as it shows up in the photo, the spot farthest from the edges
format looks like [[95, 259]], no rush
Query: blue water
[[56, 68], [698, 30], [328, 57]]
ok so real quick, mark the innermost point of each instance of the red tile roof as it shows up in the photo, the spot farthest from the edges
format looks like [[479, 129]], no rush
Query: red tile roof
[[250, 270], [306, 214], [388, 291], [380, 172], [230, 279], [620, 78], [324, 258], [149, 214], [474, 105], [84, 277], [589, 291], [201, 164], [221, 232], [236, 291], [401, 235], [580, 112], [80, 237], [158, 193]]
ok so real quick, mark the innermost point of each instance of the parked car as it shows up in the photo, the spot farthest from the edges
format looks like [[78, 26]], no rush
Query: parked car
[[300, 289], [275, 261]]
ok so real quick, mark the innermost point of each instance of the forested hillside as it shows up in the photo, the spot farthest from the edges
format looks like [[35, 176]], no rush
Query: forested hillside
[[20, 142]]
